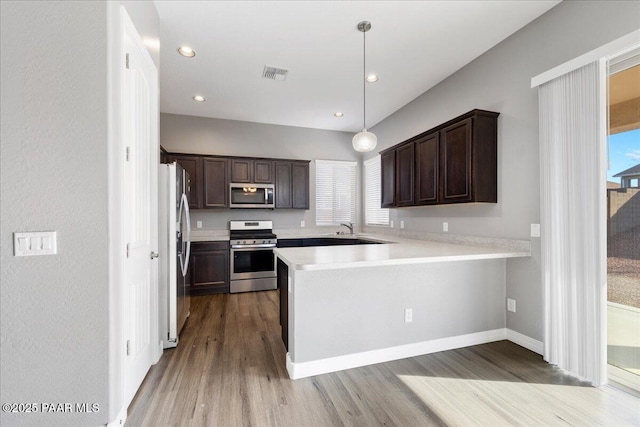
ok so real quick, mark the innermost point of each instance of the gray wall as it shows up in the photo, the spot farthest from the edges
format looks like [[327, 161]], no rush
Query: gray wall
[[500, 80], [54, 311], [188, 134]]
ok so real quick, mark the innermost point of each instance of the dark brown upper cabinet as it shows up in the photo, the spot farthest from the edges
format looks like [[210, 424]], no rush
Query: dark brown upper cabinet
[[211, 176], [388, 177], [455, 162], [258, 171], [193, 166], [427, 169], [292, 184], [164, 155], [300, 185], [283, 185], [216, 182], [405, 174]]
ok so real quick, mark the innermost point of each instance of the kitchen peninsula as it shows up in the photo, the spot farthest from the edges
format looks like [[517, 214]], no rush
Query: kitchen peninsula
[[349, 306]]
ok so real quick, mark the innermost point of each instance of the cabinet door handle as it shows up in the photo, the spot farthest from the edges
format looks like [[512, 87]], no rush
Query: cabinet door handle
[[154, 255]]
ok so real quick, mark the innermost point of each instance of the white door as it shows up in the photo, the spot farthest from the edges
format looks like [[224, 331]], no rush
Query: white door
[[140, 138]]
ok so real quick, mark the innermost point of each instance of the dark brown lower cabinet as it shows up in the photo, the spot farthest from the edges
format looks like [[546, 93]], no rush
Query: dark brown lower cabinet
[[209, 266], [283, 288]]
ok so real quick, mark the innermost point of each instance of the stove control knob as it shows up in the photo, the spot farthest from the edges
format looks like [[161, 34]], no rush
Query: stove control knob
[[264, 241], [244, 242], [254, 242]]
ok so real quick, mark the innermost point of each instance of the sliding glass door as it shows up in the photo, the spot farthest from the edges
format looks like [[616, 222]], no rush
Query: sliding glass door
[[623, 223]]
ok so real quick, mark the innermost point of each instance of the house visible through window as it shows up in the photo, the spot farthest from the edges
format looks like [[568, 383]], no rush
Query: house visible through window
[[335, 192], [373, 213]]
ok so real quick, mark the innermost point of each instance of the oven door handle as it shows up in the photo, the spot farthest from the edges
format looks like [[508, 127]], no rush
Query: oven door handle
[[251, 247]]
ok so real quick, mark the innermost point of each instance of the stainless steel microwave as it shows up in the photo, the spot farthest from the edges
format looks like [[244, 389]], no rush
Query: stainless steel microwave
[[251, 196]]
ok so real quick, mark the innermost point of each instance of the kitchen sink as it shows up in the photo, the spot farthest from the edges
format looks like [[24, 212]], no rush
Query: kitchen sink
[[325, 241]]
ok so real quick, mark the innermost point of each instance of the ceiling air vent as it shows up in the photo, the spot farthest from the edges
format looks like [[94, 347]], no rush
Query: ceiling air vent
[[274, 73]]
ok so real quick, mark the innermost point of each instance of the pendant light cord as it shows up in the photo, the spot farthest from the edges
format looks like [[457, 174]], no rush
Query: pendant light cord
[[364, 80]]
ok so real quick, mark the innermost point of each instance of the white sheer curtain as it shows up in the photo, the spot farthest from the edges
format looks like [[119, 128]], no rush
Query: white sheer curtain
[[572, 128]]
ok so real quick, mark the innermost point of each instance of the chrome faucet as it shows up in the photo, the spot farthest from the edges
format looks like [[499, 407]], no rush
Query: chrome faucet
[[350, 227]]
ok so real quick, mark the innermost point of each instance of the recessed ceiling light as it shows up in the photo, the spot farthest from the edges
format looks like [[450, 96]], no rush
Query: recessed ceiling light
[[199, 98], [186, 51], [372, 78], [338, 114]]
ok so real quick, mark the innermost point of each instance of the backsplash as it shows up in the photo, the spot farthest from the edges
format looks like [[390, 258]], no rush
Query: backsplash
[[219, 219], [452, 238], [285, 222]]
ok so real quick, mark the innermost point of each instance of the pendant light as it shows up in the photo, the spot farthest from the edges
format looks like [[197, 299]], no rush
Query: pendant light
[[364, 141]]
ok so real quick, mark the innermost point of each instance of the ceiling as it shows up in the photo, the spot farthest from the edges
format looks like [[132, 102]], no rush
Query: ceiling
[[625, 85], [412, 46], [624, 100]]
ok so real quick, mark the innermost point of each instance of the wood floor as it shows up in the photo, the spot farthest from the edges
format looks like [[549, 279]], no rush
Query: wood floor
[[229, 370]]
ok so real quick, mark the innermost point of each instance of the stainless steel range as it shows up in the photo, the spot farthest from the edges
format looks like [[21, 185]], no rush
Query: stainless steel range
[[253, 263]]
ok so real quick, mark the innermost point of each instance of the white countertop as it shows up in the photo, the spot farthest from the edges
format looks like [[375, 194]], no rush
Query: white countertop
[[209, 235], [396, 251]]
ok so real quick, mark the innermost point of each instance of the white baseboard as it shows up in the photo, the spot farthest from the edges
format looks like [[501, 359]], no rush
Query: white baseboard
[[525, 341], [623, 377], [348, 361], [120, 419]]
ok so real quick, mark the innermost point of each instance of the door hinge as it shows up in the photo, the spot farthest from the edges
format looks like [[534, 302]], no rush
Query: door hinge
[[128, 347], [127, 61], [128, 249], [128, 153]]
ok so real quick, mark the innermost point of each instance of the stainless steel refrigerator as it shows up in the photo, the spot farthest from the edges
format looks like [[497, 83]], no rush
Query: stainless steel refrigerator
[[175, 246]]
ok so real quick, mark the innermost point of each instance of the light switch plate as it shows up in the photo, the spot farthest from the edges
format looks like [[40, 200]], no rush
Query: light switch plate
[[401, 224], [535, 230], [391, 223], [302, 224], [198, 224], [35, 243], [445, 226]]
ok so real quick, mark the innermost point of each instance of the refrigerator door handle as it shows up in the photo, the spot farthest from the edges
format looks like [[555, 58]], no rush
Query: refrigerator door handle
[[184, 252], [187, 216]]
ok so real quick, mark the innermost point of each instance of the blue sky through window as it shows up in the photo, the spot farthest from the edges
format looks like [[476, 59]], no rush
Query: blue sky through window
[[624, 152]]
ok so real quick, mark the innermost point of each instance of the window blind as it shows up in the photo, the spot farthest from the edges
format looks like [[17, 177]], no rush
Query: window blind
[[373, 213], [335, 192]]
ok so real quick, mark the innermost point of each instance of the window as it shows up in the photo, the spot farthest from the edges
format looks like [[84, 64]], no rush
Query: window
[[335, 192], [373, 213]]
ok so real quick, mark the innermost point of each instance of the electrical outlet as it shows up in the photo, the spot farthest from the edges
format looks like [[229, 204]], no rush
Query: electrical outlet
[[408, 315], [391, 223], [445, 226], [511, 305], [302, 224], [535, 230], [198, 224], [401, 224]]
